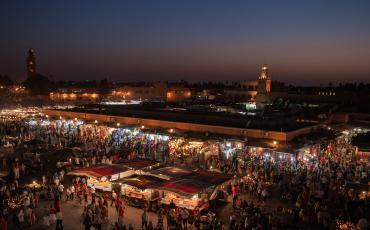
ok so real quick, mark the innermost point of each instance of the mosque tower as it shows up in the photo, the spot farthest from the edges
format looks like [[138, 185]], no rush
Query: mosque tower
[[31, 63], [263, 88]]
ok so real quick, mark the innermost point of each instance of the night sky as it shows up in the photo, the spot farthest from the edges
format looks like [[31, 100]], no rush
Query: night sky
[[303, 42]]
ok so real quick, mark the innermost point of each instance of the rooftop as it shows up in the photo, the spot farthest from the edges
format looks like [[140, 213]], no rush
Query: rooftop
[[159, 112]]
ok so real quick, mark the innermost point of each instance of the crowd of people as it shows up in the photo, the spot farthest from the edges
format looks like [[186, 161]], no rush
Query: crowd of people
[[319, 190], [316, 191]]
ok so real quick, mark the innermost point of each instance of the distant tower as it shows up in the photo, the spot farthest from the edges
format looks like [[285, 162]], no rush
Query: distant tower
[[264, 88], [31, 63]]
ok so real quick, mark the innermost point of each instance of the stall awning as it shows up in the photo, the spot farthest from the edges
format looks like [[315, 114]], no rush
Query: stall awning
[[141, 182], [183, 187], [214, 178], [99, 171], [140, 164], [171, 172]]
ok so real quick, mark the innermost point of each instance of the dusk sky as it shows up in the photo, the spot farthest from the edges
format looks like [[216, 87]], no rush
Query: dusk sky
[[303, 42]]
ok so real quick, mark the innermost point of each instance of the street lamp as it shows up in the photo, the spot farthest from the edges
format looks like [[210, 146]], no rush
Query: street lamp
[[142, 127], [118, 124]]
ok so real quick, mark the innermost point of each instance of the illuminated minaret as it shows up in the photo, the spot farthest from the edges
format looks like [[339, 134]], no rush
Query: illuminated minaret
[[31, 63], [264, 88], [264, 82]]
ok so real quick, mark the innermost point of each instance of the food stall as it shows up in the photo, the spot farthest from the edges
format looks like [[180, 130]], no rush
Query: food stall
[[186, 147], [232, 148], [138, 192], [102, 176], [99, 132], [188, 189], [211, 149], [185, 193], [309, 155]]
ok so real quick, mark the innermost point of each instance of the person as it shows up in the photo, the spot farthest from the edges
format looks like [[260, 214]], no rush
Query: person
[[16, 222], [21, 217], [118, 203], [362, 224], [144, 220], [27, 201], [72, 190], [68, 193], [3, 223], [28, 214], [61, 188], [172, 205], [5, 213], [36, 198], [52, 215], [85, 195], [46, 220], [150, 226], [114, 196], [33, 217], [92, 190], [121, 213], [264, 195], [87, 222], [184, 216], [59, 217]]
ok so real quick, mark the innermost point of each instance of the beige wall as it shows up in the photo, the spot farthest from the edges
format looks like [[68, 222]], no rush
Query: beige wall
[[240, 94], [155, 91], [74, 96]]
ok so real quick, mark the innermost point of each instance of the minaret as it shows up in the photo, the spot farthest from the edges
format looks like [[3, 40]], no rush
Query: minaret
[[264, 88], [264, 82], [31, 63]]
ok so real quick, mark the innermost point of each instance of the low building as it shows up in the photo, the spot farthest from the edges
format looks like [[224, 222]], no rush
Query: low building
[[75, 95], [142, 92], [175, 94]]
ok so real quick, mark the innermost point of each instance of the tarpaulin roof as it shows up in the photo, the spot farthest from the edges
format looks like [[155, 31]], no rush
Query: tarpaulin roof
[[140, 163], [183, 187], [172, 172], [100, 170], [142, 182], [209, 177]]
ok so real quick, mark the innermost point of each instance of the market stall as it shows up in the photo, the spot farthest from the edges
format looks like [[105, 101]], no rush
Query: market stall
[[185, 147], [138, 190], [95, 132], [102, 176], [185, 193], [188, 189], [309, 155], [231, 148]]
